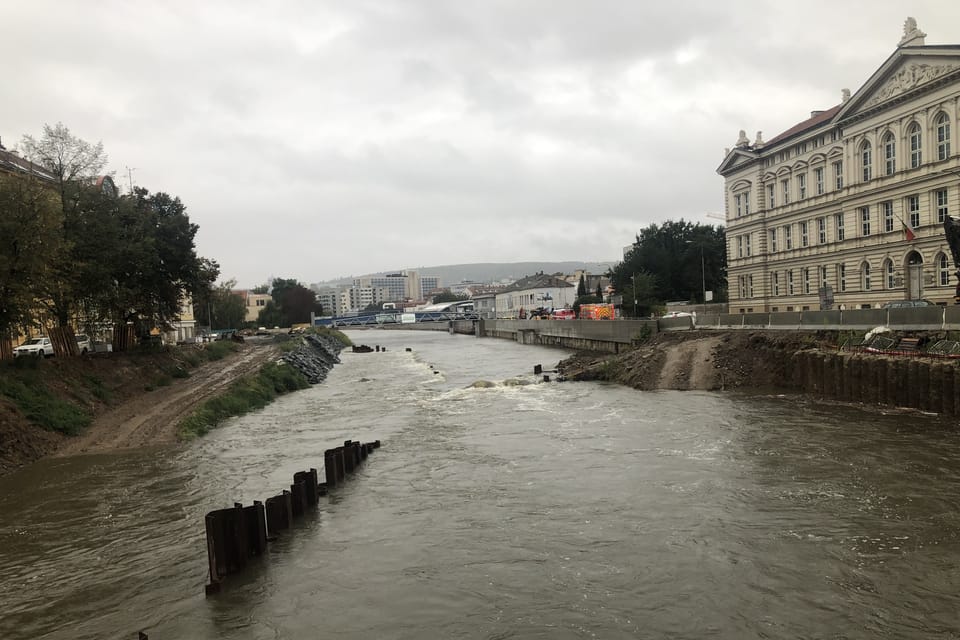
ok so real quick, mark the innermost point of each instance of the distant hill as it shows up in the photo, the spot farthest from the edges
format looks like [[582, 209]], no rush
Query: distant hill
[[490, 271]]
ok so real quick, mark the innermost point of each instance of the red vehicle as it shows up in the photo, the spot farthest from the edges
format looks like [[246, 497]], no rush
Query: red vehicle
[[563, 314]]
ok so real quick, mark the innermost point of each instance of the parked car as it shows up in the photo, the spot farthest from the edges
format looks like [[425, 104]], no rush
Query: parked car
[[908, 304], [83, 343], [563, 314], [679, 314], [40, 347]]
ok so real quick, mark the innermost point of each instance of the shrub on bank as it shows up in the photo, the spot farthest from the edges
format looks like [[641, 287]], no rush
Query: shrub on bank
[[245, 395], [42, 407]]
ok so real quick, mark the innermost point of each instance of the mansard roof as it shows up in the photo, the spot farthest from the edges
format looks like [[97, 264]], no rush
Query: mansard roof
[[812, 122]]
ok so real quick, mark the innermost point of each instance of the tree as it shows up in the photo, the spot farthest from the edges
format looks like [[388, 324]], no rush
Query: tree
[[155, 265], [581, 287], [260, 288], [224, 308], [448, 296], [292, 304], [71, 160], [681, 258], [29, 218]]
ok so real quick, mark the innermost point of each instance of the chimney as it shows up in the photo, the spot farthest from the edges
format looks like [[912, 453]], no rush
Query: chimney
[[814, 114]]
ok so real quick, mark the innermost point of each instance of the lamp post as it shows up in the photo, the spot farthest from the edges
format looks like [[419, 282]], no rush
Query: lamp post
[[703, 275], [633, 282]]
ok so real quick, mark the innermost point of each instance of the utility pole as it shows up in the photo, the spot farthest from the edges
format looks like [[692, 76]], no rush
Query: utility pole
[[130, 171]]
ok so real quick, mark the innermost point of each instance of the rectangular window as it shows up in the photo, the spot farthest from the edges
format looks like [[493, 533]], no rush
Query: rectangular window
[[806, 279], [818, 179], [913, 208], [736, 205], [941, 199], [771, 201], [746, 202], [864, 221], [802, 186], [748, 245], [750, 286], [739, 246], [838, 175], [866, 277], [823, 276], [773, 240], [790, 282], [786, 191], [788, 237], [776, 283], [838, 220], [866, 162], [804, 235], [890, 156], [886, 210], [822, 230], [842, 276]]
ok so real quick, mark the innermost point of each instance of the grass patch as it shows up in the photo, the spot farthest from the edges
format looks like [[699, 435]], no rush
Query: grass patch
[[98, 389], [218, 350], [44, 409], [245, 395], [334, 333]]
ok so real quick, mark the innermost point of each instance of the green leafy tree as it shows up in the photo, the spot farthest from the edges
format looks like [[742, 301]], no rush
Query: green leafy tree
[[260, 288], [681, 258], [581, 287], [228, 309], [270, 315], [29, 222], [292, 304], [74, 165]]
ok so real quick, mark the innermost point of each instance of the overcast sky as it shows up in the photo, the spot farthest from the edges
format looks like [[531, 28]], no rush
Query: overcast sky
[[319, 139]]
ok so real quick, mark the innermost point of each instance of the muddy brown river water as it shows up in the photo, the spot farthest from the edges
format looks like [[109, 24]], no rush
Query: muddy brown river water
[[571, 510]]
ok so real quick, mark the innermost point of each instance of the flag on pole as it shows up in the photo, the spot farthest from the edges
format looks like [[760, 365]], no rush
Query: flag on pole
[[908, 232]]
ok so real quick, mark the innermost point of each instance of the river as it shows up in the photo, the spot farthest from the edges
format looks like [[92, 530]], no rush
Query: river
[[551, 510]]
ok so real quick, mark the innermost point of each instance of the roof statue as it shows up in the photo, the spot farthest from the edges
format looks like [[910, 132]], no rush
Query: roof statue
[[759, 141], [912, 36], [742, 141], [845, 95]]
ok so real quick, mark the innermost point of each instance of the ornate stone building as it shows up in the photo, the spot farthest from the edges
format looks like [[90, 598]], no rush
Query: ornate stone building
[[846, 208]]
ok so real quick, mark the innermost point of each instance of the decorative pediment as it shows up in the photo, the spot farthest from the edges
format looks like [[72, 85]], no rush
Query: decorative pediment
[[736, 159], [909, 76], [909, 70]]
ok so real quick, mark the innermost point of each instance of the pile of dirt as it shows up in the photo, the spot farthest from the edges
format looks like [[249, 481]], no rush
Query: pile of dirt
[[706, 360], [135, 398]]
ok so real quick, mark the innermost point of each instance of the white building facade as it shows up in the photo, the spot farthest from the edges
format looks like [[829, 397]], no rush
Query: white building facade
[[846, 209]]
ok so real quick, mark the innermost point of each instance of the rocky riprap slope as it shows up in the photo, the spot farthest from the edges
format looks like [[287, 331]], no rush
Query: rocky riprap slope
[[315, 357]]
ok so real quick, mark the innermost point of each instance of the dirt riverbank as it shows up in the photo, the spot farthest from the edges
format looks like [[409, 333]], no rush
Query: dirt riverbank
[[133, 399], [704, 360]]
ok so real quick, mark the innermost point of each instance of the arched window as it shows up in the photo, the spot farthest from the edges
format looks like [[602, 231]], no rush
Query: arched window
[[943, 137], [866, 161], [916, 146], [865, 276], [943, 270], [889, 155], [889, 277]]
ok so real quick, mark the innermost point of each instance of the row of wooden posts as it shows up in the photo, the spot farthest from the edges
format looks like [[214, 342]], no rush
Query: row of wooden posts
[[238, 534]]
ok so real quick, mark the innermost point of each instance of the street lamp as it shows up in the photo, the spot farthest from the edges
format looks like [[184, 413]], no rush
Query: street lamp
[[703, 276], [633, 282]]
